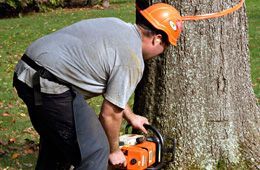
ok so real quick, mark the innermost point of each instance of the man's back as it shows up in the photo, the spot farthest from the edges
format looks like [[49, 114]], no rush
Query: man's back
[[93, 55]]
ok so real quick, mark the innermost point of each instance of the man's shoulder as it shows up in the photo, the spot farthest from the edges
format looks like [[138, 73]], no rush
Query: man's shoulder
[[101, 20], [115, 19]]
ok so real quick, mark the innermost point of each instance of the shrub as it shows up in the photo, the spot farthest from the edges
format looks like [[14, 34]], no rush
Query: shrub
[[12, 8]]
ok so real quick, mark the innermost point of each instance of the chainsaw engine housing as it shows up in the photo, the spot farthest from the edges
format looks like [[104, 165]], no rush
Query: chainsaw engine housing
[[140, 156], [142, 152]]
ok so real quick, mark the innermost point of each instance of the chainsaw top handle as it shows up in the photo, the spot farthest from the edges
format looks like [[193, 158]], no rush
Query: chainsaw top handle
[[156, 132]]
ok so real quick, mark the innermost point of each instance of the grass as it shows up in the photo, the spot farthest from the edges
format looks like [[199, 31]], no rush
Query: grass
[[253, 13], [17, 147]]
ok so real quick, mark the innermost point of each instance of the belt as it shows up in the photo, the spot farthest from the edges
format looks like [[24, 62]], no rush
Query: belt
[[40, 72]]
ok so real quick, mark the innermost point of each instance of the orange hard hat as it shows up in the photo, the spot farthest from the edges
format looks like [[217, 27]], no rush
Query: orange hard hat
[[166, 18]]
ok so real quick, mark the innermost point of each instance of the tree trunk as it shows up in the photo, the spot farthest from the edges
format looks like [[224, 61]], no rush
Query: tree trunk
[[200, 92]]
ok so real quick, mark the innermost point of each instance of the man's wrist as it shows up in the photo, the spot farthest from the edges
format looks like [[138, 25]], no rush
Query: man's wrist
[[114, 147], [128, 114]]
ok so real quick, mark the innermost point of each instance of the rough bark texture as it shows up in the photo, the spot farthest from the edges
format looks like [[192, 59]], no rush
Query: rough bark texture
[[201, 93]]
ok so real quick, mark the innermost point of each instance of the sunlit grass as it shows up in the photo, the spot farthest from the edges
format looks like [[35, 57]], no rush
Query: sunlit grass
[[253, 13], [17, 33]]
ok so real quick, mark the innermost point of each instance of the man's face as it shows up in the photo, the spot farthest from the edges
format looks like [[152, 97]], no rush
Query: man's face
[[153, 46]]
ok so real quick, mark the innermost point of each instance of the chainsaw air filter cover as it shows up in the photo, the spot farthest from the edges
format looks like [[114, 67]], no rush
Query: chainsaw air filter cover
[[140, 156]]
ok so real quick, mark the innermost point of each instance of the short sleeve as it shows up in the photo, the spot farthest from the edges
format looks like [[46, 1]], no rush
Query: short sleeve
[[122, 83]]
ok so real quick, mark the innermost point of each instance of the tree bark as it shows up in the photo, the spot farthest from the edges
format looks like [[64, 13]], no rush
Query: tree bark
[[200, 92]]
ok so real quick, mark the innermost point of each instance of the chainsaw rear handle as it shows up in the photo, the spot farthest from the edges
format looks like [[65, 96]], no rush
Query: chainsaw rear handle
[[160, 146]]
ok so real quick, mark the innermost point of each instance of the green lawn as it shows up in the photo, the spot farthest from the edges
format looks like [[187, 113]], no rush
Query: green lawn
[[17, 147], [253, 13]]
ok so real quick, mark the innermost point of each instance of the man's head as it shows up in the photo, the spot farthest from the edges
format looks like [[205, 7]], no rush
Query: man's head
[[160, 25]]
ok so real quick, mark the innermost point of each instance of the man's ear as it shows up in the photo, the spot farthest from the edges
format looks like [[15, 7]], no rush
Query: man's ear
[[157, 39]]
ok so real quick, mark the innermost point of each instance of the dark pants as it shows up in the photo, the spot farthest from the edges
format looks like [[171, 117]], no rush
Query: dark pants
[[67, 129]]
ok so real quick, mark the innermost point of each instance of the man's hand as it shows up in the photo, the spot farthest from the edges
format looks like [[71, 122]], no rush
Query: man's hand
[[117, 159], [136, 121]]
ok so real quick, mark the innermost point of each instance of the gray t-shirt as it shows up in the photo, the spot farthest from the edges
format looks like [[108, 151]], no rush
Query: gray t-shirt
[[97, 56]]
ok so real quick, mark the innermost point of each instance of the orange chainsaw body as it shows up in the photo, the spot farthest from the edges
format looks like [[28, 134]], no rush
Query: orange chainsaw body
[[140, 156]]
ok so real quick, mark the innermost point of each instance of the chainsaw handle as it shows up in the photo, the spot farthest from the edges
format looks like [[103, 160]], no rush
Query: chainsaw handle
[[147, 127], [161, 141], [151, 128], [156, 132]]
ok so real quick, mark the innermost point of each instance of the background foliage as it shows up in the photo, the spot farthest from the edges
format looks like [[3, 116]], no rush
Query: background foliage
[[18, 140], [11, 8]]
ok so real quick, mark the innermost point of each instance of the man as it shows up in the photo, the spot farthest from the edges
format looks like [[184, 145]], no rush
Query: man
[[92, 57]]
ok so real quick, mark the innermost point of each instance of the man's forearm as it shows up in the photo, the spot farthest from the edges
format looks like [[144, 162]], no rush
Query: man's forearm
[[111, 118]]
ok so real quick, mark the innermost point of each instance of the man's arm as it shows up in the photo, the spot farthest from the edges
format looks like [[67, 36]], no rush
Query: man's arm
[[111, 118]]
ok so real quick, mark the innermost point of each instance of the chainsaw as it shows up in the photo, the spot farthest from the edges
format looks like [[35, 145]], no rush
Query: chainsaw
[[142, 152]]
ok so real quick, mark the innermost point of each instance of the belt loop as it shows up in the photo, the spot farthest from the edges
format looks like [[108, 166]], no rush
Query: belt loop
[[37, 89]]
